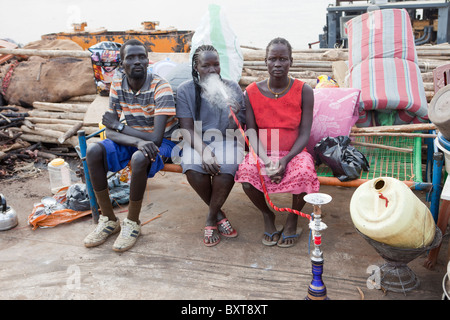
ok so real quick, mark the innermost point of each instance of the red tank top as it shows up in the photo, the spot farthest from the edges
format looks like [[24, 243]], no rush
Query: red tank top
[[278, 120]]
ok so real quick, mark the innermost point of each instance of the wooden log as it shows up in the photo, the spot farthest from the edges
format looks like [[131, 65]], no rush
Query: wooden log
[[9, 139], [42, 132], [302, 64], [380, 146], [14, 114], [51, 120], [65, 127], [28, 123], [85, 98], [68, 107], [300, 55], [16, 145], [11, 121], [6, 118], [393, 134], [246, 80], [71, 132], [73, 141], [397, 128], [12, 108], [57, 115], [47, 53], [46, 155]]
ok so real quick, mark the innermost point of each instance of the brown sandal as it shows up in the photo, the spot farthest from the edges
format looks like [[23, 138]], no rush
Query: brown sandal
[[226, 225]]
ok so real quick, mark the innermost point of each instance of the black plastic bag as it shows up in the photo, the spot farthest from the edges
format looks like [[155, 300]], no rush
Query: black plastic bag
[[77, 197], [344, 160]]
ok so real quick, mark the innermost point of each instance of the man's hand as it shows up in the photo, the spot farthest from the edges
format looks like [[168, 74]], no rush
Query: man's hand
[[111, 120], [149, 149]]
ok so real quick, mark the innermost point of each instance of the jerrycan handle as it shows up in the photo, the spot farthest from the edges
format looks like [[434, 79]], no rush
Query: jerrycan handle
[[3, 203]]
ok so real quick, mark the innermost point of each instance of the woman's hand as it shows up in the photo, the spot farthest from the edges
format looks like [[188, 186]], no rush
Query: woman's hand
[[234, 105], [275, 170], [209, 162]]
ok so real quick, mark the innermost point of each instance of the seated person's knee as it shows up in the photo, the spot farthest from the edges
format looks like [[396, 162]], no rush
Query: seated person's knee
[[246, 185], [139, 162], [94, 152]]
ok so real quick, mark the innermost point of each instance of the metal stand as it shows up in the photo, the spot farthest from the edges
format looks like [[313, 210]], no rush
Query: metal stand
[[317, 289], [395, 275]]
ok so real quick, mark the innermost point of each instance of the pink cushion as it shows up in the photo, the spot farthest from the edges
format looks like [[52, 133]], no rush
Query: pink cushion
[[335, 113]]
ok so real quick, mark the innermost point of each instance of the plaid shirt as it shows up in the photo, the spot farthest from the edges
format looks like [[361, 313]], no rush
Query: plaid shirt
[[154, 98]]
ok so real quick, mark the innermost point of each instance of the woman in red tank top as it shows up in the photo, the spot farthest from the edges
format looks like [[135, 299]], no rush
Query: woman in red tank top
[[279, 114]]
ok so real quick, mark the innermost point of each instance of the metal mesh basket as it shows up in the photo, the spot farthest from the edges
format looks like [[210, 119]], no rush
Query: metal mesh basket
[[396, 276]]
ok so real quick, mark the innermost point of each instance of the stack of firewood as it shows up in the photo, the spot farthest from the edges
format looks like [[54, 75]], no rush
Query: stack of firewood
[[58, 123], [43, 133], [310, 63]]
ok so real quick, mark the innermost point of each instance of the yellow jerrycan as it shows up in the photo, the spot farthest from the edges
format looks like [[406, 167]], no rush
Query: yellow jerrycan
[[387, 211]]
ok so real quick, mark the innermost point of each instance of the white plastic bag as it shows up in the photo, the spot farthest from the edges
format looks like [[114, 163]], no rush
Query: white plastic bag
[[214, 30]]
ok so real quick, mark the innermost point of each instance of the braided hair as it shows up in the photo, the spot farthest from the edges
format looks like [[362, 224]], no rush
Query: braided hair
[[195, 76], [279, 41]]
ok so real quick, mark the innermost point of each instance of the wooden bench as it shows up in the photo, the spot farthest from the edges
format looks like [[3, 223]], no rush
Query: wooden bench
[[405, 166]]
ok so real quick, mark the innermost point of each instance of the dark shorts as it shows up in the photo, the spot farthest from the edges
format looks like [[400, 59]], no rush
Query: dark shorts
[[118, 156]]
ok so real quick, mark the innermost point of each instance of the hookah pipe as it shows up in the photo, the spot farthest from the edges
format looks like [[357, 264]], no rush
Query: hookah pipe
[[316, 289]]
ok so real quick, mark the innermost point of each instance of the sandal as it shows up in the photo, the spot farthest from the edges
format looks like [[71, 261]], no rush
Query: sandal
[[225, 225], [294, 236], [272, 242], [209, 231]]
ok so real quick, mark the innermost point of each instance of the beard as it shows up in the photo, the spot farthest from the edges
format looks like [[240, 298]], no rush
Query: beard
[[138, 75]]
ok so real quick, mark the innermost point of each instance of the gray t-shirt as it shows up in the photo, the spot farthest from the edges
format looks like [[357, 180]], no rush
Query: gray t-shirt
[[211, 117]]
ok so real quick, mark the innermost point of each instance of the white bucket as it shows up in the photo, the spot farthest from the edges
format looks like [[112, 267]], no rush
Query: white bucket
[[446, 155], [386, 210]]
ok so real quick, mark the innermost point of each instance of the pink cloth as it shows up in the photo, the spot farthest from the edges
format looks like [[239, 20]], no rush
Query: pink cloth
[[300, 175]]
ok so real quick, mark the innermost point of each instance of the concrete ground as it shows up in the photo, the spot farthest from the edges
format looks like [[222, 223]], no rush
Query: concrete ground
[[170, 262]]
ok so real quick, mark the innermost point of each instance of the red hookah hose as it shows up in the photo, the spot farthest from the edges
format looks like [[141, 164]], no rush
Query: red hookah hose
[[263, 184]]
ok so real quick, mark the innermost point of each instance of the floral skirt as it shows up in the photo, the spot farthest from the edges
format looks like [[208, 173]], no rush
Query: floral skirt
[[299, 177]]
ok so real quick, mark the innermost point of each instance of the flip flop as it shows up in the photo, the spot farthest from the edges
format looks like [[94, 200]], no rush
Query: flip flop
[[271, 235], [225, 224], [294, 236], [208, 234]]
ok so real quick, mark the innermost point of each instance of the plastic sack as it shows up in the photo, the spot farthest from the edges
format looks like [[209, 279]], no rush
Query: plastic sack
[[119, 191], [105, 59], [335, 112], [77, 197], [214, 30], [325, 81], [52, 211], [344, 160]]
